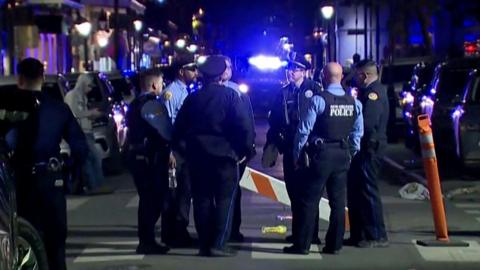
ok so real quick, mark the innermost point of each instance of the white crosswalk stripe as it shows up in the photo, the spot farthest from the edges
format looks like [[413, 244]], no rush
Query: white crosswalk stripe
[[119, 251], [133, 203], [450, 254], [74, 203], [467, 205], [469, 208]]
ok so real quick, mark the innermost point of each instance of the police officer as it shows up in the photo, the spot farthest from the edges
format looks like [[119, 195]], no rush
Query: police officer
[[149, 158], [283, 120], [367, 228], [236, 235], [177, 213], [329, 128], [218, 135], [36, 160]]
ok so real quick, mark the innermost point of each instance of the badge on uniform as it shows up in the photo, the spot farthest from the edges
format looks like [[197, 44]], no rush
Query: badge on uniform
[[308, 93], [167, 95], [373, 96]]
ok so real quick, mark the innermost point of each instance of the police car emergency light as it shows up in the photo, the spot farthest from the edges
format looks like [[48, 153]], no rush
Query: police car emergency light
[[266, 63]]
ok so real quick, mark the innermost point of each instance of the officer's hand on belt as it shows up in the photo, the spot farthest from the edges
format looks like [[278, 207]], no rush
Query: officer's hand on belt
[[172, 162]]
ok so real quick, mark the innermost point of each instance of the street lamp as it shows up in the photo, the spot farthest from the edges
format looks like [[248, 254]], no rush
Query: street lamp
[[84, 28], [138, 25], [181, 43], [327, 12]]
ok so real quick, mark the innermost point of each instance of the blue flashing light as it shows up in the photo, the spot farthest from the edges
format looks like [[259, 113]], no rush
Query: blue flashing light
[[263, 62]]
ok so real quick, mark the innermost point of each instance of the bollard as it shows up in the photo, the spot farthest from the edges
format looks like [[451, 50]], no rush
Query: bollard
[[433, 180], [280, 229]]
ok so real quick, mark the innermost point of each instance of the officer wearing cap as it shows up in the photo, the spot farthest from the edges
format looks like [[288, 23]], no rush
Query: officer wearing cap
[[236, 235], [177, 213], [36, 159], [367, 227], [217, 136], [330, 130], [149, 134], [283, 120]]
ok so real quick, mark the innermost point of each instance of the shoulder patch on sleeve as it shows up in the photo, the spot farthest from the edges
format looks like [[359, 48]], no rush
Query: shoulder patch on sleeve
[[167, 95], [373, 96], [308, 93]]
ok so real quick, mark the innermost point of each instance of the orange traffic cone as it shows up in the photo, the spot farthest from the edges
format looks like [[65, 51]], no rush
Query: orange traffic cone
[[433, 181]]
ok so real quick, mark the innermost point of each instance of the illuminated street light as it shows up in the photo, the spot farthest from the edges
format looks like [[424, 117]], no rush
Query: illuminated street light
[[102, 38], [83, 27], [327, 12], [138, 25], [192, 48], [201, 59], [200, 12], [181, 43]]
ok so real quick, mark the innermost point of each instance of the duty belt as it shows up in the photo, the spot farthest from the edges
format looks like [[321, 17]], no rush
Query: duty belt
[[52, 165]]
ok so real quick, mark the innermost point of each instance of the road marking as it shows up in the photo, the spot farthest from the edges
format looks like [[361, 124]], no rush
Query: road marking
[[74, 203], [467, 205], [473, 212], [478, 219], [91, 259], [450, 254], [118, 252], [133, 203], [274, 251]]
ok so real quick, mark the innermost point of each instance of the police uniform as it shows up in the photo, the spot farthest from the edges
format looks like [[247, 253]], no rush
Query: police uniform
[[217, 134], [367, 227], [177, 212], [150, 131], [332, 127], [237, 214], [37, 165], [283, 120]]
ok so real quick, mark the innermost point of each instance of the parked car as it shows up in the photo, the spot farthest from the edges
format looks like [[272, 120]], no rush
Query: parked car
[[104, 128], [456, 124], [413, 91], [395, 76]]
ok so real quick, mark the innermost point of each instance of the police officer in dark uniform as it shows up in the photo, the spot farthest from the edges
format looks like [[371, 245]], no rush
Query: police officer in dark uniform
[[236, 235], [283, 120], [330, 127], [367, 227], [36, 159], [218, 136], [149, 134]]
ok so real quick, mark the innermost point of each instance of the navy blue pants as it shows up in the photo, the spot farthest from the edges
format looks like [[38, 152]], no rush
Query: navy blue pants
[[364, 202], [214, 184], [176, 217], [43, 204], [291, 177], [328, 168], [237, 213], [151, 180]]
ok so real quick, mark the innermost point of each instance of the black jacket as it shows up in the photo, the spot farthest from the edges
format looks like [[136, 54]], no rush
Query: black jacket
[[213, 121], [375, 114]]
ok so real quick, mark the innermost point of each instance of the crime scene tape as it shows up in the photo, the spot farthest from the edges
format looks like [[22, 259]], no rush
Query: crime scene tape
[[275, 189]]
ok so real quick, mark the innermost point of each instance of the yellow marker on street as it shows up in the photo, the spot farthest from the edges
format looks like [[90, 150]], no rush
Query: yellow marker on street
[[280, 229]]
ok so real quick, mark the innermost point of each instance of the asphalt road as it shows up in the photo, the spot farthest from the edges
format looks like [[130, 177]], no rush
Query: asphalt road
[[102, 230]]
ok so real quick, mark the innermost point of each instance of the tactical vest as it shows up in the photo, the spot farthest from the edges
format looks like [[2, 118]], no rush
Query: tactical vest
[[140, 132], [337, 120]]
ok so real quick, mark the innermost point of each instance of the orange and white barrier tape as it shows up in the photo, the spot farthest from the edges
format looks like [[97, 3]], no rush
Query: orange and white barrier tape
[[275, 189]]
